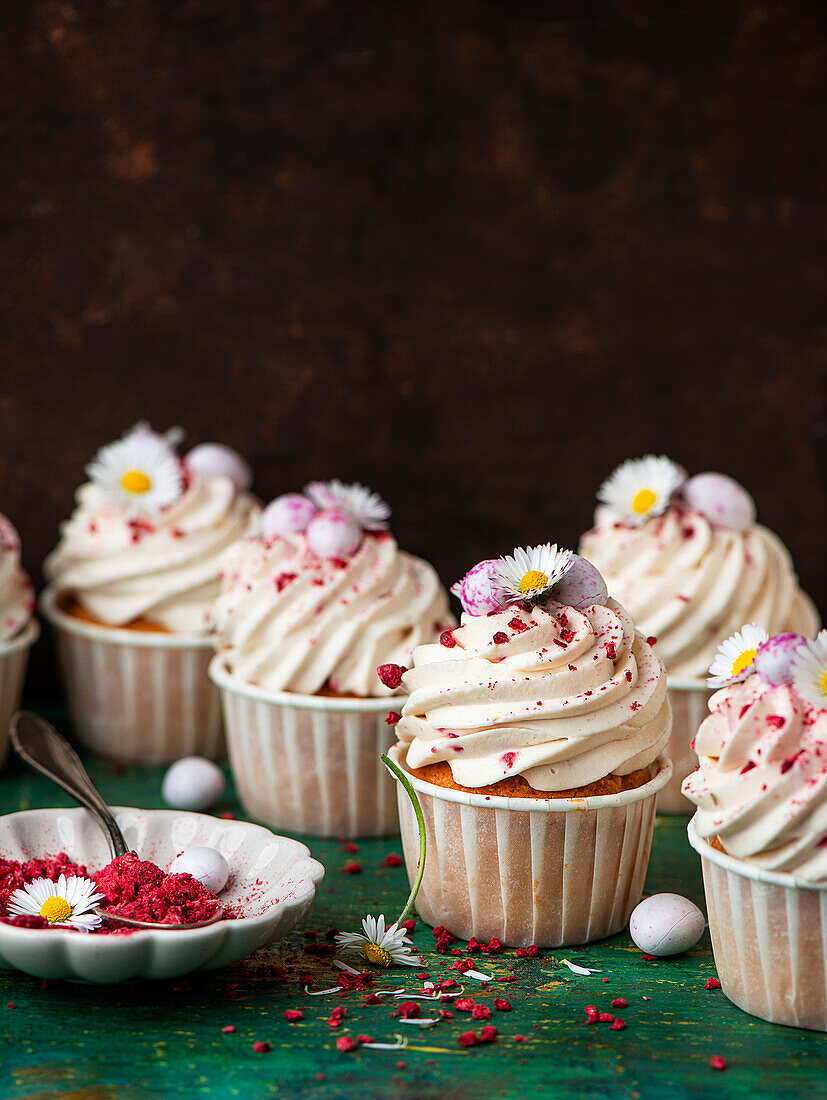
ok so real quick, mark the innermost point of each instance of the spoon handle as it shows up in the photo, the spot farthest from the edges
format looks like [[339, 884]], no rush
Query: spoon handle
[[48, 752]]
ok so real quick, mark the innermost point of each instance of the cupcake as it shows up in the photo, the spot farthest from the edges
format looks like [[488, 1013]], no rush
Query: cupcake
[[132, 580], [761, 824], [533, 734], [308, 609], [688, 560], [18, 630]]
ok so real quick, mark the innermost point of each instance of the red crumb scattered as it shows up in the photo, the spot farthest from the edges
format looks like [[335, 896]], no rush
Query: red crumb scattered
[[611, 651], [788, 763], [712, 983], [293, 1014], [409, 1010], [520, 1039], [508, 759], [481, 1012], [364, 1039], [464, 1004], [447, 639], [518, 626], [228, 1030], [500, 638], [393, 717], [261, 1047], [652, 640], [528, 952], [351, 847], [750, 764], [488, 1034], [605, 1017], [774, 721], [393, 859], [649, 958], [443, 938], [717, 1062], [502, 1005], [462, 965], [352, 867], [391, 675], [618, 1025], [620, 1002], [227, 815], [468, 1039], [346, 1044]]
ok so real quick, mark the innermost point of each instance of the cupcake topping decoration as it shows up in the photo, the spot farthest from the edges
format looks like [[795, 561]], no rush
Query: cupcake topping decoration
[[641, 488], [529, 574], [332, 515], [140, 473], [809, 671], [69, 902], [367, 508], [774, 659], [734, 658], [479, 591], [721, 499]]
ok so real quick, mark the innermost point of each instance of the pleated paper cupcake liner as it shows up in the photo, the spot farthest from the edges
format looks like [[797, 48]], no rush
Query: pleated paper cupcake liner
[[137, 696], [309, 764], [689, 708], [769, 938], [551, 872], [14, 655]]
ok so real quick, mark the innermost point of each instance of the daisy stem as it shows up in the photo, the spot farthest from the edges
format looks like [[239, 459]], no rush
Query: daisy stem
[[397, 773]]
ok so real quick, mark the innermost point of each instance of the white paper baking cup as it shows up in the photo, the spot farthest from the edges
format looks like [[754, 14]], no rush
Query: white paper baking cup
[[137, 696], [769, 938], [689, 699], [552, 872], [309, 763], [14, 654]]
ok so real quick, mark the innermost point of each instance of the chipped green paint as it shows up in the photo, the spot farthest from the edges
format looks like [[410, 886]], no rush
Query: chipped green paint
[[148, 1041]]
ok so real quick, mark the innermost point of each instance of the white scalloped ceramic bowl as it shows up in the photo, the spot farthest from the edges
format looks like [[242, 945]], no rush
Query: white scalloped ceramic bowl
[[272, 878]]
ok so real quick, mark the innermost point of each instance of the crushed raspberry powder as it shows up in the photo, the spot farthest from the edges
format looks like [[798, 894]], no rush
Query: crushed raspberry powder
[[712, 983], [293, 1014], [447, 639], [717, 1062], [391, 675]]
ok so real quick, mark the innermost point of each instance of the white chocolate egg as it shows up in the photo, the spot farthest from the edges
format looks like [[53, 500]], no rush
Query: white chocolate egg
[[334, 533], [287, 515], [580, 586], [205, 864], [721, 499], [774, 658], [216, 460], [192, 783], [479, 590], [666, 924]]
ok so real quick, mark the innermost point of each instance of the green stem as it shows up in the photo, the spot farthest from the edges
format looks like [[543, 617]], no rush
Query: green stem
[[397, 773]]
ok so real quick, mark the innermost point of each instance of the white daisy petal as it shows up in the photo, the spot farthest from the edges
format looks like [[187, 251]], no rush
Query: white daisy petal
[[529, 573], [733, 660], [366, 507], [77, 893], [810, 671], [641, 488], [380, 945], [140, 473]]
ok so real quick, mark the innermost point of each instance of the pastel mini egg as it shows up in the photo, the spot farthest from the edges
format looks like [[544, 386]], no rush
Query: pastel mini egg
[[334, 533], [774, 658], [192, 783], [721, 499], [216, 460], [666, 924], [479, 591], [205, 864], [580, 586], [289, 514]]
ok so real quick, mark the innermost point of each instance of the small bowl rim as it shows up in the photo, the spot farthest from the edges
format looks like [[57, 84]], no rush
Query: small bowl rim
[[116, 635]]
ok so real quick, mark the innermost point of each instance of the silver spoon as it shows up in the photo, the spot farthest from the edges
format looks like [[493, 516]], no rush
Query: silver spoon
[[44, 749]]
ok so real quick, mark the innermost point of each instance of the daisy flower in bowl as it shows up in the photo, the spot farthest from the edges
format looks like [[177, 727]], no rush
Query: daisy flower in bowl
[[69, 902]]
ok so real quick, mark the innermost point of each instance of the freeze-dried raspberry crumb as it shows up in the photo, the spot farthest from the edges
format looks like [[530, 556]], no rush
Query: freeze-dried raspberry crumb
[[261, 1047], [447, 639], [518, 626], [445, 1014], [500, 638], [712, 983], [462, 965], [648, 958], [494, 946], [618, 1025], [652, 640], [481, 1012], [468, 1039], [393, 859], [409, 1010], [620, 1002], [408, 925], [345, 1043], [293, 1014], [605, 1017], [364, 1039], [352, 867], [520, 1039], [464, 1004], [372, 999], [393, 717], [391, 675], [228, 1030], [717, 1062], [488, 1034], [502, 1005]]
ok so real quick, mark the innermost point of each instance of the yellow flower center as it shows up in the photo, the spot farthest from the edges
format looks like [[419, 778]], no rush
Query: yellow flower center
[[742, 661], [533, 580], [824, 682], [136, 481], [377, 955], [643, 501], [55, 910]]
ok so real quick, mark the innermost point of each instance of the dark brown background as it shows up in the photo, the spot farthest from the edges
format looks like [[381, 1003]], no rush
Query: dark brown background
[[470, 254]]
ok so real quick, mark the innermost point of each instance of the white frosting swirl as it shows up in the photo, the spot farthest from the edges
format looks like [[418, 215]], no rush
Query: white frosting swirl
[[561, 697], [690, 585], [163, 569], [16, 591], [290, 621], [761, 787]]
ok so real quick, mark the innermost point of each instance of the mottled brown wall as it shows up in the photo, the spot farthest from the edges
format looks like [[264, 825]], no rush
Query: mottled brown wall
[[471, 254]]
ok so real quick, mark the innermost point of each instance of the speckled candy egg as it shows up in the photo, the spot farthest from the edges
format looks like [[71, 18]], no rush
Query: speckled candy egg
[[216, 460], [287, 515], [580, 586], [192, 783], [721, 499], [334, 533], [205, 864], [479, 591], [666, 924], [774, 659]]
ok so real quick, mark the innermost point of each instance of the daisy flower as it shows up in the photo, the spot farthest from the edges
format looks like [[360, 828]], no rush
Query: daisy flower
[[641, 488], [367, 508], [140, 472], [810, 671], [69, 902], [733, 659], [530, 573], [380, 946]]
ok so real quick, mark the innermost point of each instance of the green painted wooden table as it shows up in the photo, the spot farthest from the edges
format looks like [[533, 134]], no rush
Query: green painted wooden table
[[142, 1041]]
